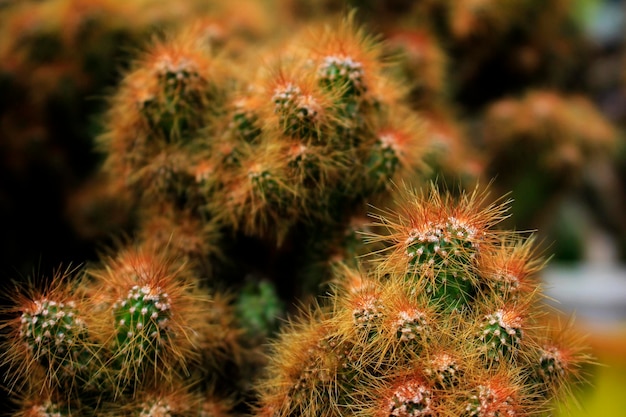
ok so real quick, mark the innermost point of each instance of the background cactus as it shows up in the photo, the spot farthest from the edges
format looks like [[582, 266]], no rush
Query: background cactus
[[421, 36], [267, 154]]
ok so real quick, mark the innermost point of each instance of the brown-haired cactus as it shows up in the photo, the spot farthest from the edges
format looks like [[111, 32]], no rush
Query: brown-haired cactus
[[137, 323], [241, 165], [446, 321]]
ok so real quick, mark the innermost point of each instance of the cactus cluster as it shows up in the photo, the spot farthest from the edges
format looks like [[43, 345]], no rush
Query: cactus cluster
[[240, 151], [135, 331], [59, 59], [445, 321], [276, 153]]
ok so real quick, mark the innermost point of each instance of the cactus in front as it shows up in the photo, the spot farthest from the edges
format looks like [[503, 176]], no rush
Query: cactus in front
[[137, 323], [50, 331], [445, 320]]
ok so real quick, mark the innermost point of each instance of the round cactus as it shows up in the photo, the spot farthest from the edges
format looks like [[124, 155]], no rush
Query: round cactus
[[152, 318], [501, 333], [55, 334], [143, 315], [50, 331]]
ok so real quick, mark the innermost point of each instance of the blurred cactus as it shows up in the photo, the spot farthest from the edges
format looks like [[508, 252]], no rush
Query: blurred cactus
[[50, 331], [58, 60], [268, 152], [545, 147]]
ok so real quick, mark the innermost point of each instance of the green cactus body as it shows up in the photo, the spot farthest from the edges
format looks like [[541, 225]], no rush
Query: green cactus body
[[258, 308], [446, 250], [56, 335], [383, 161], [501, 334], [141, 319]]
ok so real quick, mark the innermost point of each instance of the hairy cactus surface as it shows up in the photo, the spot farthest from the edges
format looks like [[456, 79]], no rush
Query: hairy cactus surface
[[137, 324], [427, 326], [237, 154]]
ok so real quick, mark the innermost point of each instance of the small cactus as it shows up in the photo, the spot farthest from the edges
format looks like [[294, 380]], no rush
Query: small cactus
[[501, 333], [56, 336], [51, 333]]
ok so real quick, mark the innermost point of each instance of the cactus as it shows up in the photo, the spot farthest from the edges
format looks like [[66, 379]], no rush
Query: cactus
[[50, 334], [398, 340], [137, 321], [299, 143], [242, 165], [566, 130]]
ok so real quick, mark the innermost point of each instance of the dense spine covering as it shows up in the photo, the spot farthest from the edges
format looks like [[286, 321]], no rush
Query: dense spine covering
[[427, 327], [136, 325], [208, 142]]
